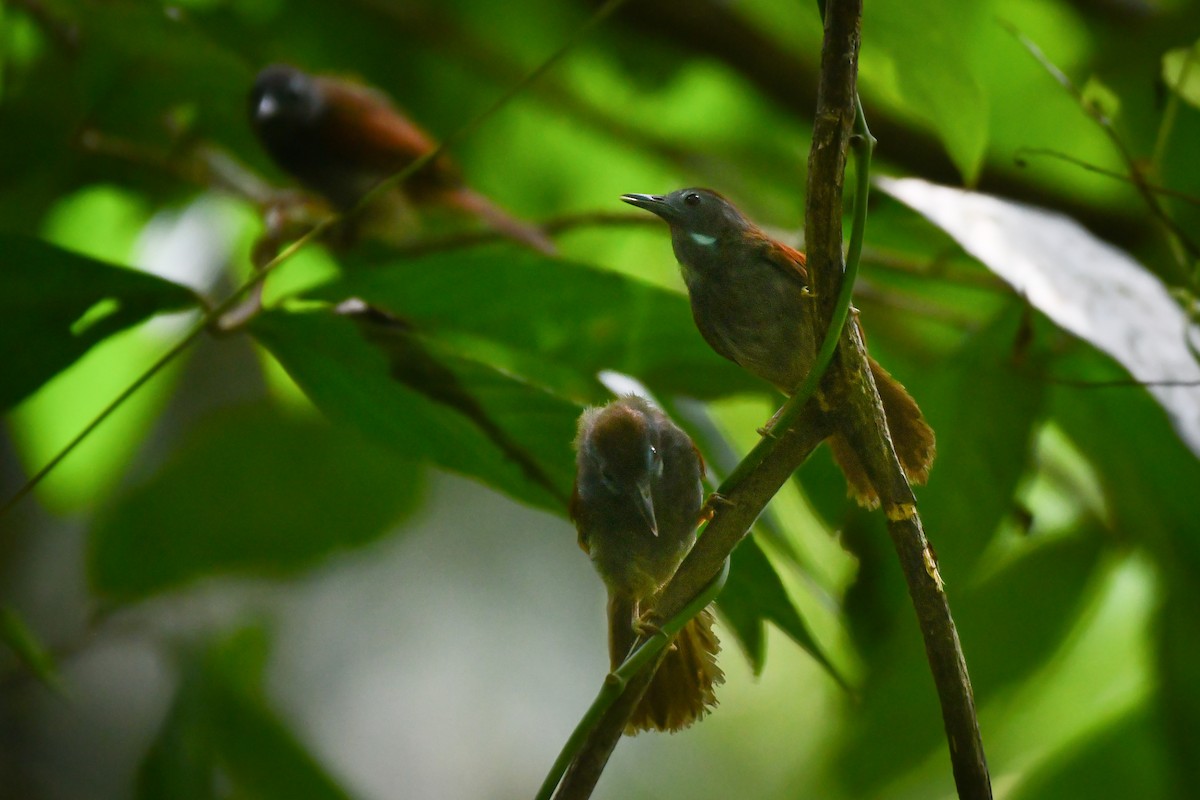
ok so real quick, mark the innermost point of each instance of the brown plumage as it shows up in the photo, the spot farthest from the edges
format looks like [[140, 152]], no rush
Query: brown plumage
[[749, 296], [636, 506], [341, 139]]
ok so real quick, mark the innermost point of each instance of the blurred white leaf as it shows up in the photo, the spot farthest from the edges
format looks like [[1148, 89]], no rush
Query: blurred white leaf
[[1087, 286]]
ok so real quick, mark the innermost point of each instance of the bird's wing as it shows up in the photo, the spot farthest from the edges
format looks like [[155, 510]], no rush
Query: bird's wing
[[788, 259], [383, 136]]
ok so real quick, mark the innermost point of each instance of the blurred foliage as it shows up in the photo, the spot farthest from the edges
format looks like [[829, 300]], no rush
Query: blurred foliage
[[1064, 517]]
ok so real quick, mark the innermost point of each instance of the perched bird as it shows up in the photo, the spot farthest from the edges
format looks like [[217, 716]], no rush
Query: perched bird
[[749, 296], [341, 139], [637, 504]]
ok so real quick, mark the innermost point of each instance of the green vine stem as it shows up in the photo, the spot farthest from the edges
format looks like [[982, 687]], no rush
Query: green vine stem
[[621, 680]]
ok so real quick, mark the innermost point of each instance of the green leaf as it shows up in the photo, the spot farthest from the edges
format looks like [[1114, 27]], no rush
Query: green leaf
[[1010, 624], [983, 405], [573, 318], [481, 422], [56, 305], [1146, 472], [1181, 73], [754, 594], [26, 646], [180, 764], [934, 74], [1178, 633], [1098, 96], [254, 492]]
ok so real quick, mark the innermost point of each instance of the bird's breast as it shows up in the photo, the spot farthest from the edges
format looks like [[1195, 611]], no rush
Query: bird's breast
[[755, 317]]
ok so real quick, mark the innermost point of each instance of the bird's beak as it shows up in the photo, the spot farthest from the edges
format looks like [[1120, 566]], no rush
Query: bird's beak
[[645, 506], [654, 203]]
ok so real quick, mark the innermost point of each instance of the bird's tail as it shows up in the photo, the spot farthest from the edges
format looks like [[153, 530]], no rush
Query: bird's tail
[[499, 220], [911, 436], [683, 689]]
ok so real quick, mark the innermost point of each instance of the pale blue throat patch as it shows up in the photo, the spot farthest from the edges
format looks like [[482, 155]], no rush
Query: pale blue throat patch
[[702, 239]]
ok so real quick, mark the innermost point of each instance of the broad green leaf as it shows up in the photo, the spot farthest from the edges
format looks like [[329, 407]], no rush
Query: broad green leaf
[[575, 318], [26, 646], [753, 595], [1181, 73], [928, 48], [429, 403], [56, 305], [1085, 285], [983, 405], [251, 492]]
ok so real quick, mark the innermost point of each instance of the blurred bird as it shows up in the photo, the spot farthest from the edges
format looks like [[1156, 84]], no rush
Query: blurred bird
[[637, 504], [750, 295], [341, 139]]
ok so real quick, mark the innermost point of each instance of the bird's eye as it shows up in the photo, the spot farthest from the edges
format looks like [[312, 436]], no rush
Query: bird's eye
[[692, 199]]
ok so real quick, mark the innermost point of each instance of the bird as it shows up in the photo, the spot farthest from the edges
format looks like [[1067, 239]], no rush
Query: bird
[[750, 296], [637, 502], [340, 139]]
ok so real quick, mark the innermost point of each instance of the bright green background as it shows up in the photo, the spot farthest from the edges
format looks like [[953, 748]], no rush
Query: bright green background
[[261, 578]]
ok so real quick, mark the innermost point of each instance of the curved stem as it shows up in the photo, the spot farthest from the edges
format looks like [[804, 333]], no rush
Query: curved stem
[[618, 681]]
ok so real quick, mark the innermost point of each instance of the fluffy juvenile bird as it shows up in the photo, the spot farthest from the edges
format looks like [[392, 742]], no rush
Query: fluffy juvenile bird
[[637, 504], [749, 296], [341, 139]]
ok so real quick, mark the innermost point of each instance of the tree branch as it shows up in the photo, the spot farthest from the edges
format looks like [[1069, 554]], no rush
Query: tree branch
[[857, 407]]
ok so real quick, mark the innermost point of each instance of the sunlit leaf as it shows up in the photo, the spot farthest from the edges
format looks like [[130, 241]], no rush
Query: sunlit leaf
[[1097, 96], [249, 492], [933, 71], [1181, 72], [56, 305], [1083, 284], [576, 318]]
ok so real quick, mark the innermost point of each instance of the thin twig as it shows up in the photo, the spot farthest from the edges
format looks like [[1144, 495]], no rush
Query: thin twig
[[1165, 191], [1105, 124]]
